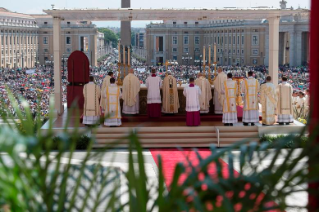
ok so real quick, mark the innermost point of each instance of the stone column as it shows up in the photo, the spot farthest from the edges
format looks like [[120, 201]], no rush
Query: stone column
[[298, 49], [291, 48], [57, 66], [126, 26], [274, 48]]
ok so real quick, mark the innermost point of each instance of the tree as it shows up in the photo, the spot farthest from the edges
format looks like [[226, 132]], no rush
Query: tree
[[133, 39], [109, 36]]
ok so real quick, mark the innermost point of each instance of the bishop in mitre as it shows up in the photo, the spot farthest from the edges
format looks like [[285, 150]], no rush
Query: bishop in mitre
[[112, 94], [218, 97], [206, 93], [250, 88], [105, 84], [170, 95], [131, 89], [91, 112], [268, 100], [284, 104], [230, 90]]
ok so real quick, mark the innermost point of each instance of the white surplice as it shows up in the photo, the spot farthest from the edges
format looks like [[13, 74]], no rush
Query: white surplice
[[192, 95], [153, 84], [250, 88], [113, 107]]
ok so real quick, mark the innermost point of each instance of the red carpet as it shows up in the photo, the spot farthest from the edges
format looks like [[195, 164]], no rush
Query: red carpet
[[170, 157]]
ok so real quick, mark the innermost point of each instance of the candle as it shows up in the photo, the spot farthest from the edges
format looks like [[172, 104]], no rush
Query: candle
[[124, 55], [209, 55], [129, 56], [204, 59], [119, 49], [215, 53]]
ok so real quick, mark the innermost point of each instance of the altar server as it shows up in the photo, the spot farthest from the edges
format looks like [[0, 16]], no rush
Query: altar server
[[153, 84], [230, 90], [268, 100], [284, 104], [131, 89], [170, 95], [91, 112], [192, 94], [113, 107], [218, 97], [250, 88]]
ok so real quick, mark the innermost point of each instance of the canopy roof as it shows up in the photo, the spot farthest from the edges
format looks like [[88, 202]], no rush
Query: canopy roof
[[131, 14]]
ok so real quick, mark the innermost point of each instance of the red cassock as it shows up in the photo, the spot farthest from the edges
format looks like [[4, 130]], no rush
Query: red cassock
[[154, 110], [193, 118]]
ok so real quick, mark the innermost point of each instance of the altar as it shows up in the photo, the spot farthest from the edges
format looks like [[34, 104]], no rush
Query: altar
[[182, 100]]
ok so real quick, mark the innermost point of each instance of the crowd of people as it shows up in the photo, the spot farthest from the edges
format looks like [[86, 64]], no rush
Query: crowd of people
[[36, 85]]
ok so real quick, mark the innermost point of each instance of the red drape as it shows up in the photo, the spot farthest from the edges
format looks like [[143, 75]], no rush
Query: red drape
[[314, 91]]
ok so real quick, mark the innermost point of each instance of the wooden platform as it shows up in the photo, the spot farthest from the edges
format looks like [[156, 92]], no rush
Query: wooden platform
[[159, 134]]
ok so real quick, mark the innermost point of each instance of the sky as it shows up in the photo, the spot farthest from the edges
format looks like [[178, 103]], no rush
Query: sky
[[36, 6]]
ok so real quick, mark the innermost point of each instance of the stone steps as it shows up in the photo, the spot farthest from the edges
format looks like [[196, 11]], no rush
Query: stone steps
[[157, 137]]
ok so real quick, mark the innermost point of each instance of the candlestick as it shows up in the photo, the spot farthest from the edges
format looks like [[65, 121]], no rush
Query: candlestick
[[129, 56], [204, 56], [119, 50], [209, 65], [215, 53]]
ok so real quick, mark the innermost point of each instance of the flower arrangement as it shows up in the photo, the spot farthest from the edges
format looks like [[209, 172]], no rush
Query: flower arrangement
[[302, 120]]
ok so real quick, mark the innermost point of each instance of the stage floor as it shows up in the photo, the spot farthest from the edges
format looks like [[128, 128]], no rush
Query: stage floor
[[143, 121]]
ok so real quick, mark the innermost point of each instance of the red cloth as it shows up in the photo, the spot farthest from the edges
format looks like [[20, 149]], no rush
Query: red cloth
[[193, 118], [313, 204], [153, 75], [154, 110], [191, 85]]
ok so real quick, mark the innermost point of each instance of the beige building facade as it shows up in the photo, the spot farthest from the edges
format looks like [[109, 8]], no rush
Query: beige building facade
[[18, 40], [27, 40], [238, 42], [81, 36]]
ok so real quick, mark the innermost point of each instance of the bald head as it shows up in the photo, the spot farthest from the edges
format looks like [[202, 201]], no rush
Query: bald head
[[131, 71], [220, 70], [200, 74]]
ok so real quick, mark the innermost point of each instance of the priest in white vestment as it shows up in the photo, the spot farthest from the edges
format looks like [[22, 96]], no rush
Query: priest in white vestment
[[170, 95], [250, 88], [230, 90], [91, 112], [300, 106], [153, 84], [218, 97], [206, 95], [284, 104], [112, 94], [192, 94], [268, 100], [105, 84], [131, 89], [307, 103]]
